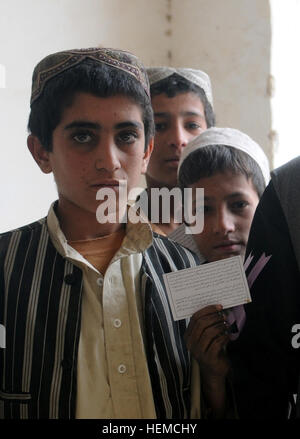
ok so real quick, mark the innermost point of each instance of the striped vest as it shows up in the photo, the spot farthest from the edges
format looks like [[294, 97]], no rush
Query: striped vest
[[40, 308]]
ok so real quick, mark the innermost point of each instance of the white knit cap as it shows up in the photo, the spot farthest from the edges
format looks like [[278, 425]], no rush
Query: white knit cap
[[229, 137], [197, 77]]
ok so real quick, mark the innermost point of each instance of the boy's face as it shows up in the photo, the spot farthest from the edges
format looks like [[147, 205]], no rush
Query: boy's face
[[230, 201], [177, 121], [98, 142]]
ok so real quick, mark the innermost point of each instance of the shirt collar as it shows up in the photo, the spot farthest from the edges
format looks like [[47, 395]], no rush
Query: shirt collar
[[138, 236]]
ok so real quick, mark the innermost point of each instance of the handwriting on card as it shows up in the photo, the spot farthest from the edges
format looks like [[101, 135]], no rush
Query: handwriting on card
[[221, 282]]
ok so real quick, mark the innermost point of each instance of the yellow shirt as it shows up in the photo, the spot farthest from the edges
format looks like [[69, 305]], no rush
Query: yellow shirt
[[113, 377], [100, 251], [112, 373]]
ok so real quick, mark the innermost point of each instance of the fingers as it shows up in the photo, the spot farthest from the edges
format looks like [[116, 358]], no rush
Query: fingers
[[204, 319], [206, 338], [214, 336], [205, 331], [207, 313], [218, 344]]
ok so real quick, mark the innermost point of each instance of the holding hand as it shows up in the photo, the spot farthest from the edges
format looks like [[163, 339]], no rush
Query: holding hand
[[206, 337]]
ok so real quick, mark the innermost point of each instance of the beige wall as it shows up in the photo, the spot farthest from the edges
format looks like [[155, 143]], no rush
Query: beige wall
[[230, 39]]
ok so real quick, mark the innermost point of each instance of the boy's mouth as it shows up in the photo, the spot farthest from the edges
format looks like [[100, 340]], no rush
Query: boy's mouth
[[114, 184], [229, 246], [173, 162]]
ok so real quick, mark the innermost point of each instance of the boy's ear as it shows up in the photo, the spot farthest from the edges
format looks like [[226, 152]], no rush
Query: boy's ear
[[39, 153], [147, 155]]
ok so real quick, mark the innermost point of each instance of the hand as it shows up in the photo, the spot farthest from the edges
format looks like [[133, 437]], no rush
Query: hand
[[206, 337]]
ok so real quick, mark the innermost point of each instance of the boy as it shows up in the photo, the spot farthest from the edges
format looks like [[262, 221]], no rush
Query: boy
[[233, 171], [82, 300], [183, 107]]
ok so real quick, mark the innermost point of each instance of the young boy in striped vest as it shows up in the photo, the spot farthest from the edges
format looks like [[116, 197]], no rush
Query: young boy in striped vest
[[88, 329]]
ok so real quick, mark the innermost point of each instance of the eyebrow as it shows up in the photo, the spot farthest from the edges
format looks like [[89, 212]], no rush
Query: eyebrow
[[237, 194], [97, 126], [130, 124], [230, 196], [82, 124], [182, 113]]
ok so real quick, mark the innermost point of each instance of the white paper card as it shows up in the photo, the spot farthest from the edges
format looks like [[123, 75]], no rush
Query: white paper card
[[222, 282]]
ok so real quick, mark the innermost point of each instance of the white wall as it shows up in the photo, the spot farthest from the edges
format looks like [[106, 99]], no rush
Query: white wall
[[285, 68], [30, 30], [230, 39]]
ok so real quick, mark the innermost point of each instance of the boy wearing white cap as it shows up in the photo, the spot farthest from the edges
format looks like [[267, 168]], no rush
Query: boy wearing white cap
[[233, 170], [183, 107]]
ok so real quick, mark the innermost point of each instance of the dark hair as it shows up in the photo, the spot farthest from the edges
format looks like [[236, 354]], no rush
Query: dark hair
[[176, 84], [87, 77], [210, 160]]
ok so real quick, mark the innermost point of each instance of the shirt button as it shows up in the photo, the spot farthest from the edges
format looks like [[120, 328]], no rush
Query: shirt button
[[70, 279], [117, 323], [100, 281], [122, 368]]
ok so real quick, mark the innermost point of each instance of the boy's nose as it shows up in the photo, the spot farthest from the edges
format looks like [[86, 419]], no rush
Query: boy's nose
[[224, 222], [107, 158]]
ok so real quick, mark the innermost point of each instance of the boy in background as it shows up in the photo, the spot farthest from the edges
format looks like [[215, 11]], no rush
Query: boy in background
[[233, 171], [183, 107]]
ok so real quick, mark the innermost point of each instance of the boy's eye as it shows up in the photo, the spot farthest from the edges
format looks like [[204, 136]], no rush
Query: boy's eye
[[160, 126], [207, 208], [127, 137], [193, 126], [82, 137], [239, 205]]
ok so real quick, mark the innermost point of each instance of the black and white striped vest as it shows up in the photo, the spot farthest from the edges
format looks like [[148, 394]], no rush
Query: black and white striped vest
[[40, 308]]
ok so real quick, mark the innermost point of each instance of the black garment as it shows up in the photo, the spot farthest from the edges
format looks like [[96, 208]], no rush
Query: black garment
[[265, 364]]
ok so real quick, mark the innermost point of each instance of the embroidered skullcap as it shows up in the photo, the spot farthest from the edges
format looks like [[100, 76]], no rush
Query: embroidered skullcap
[[229, 137], [197, 77], [56, 63]]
